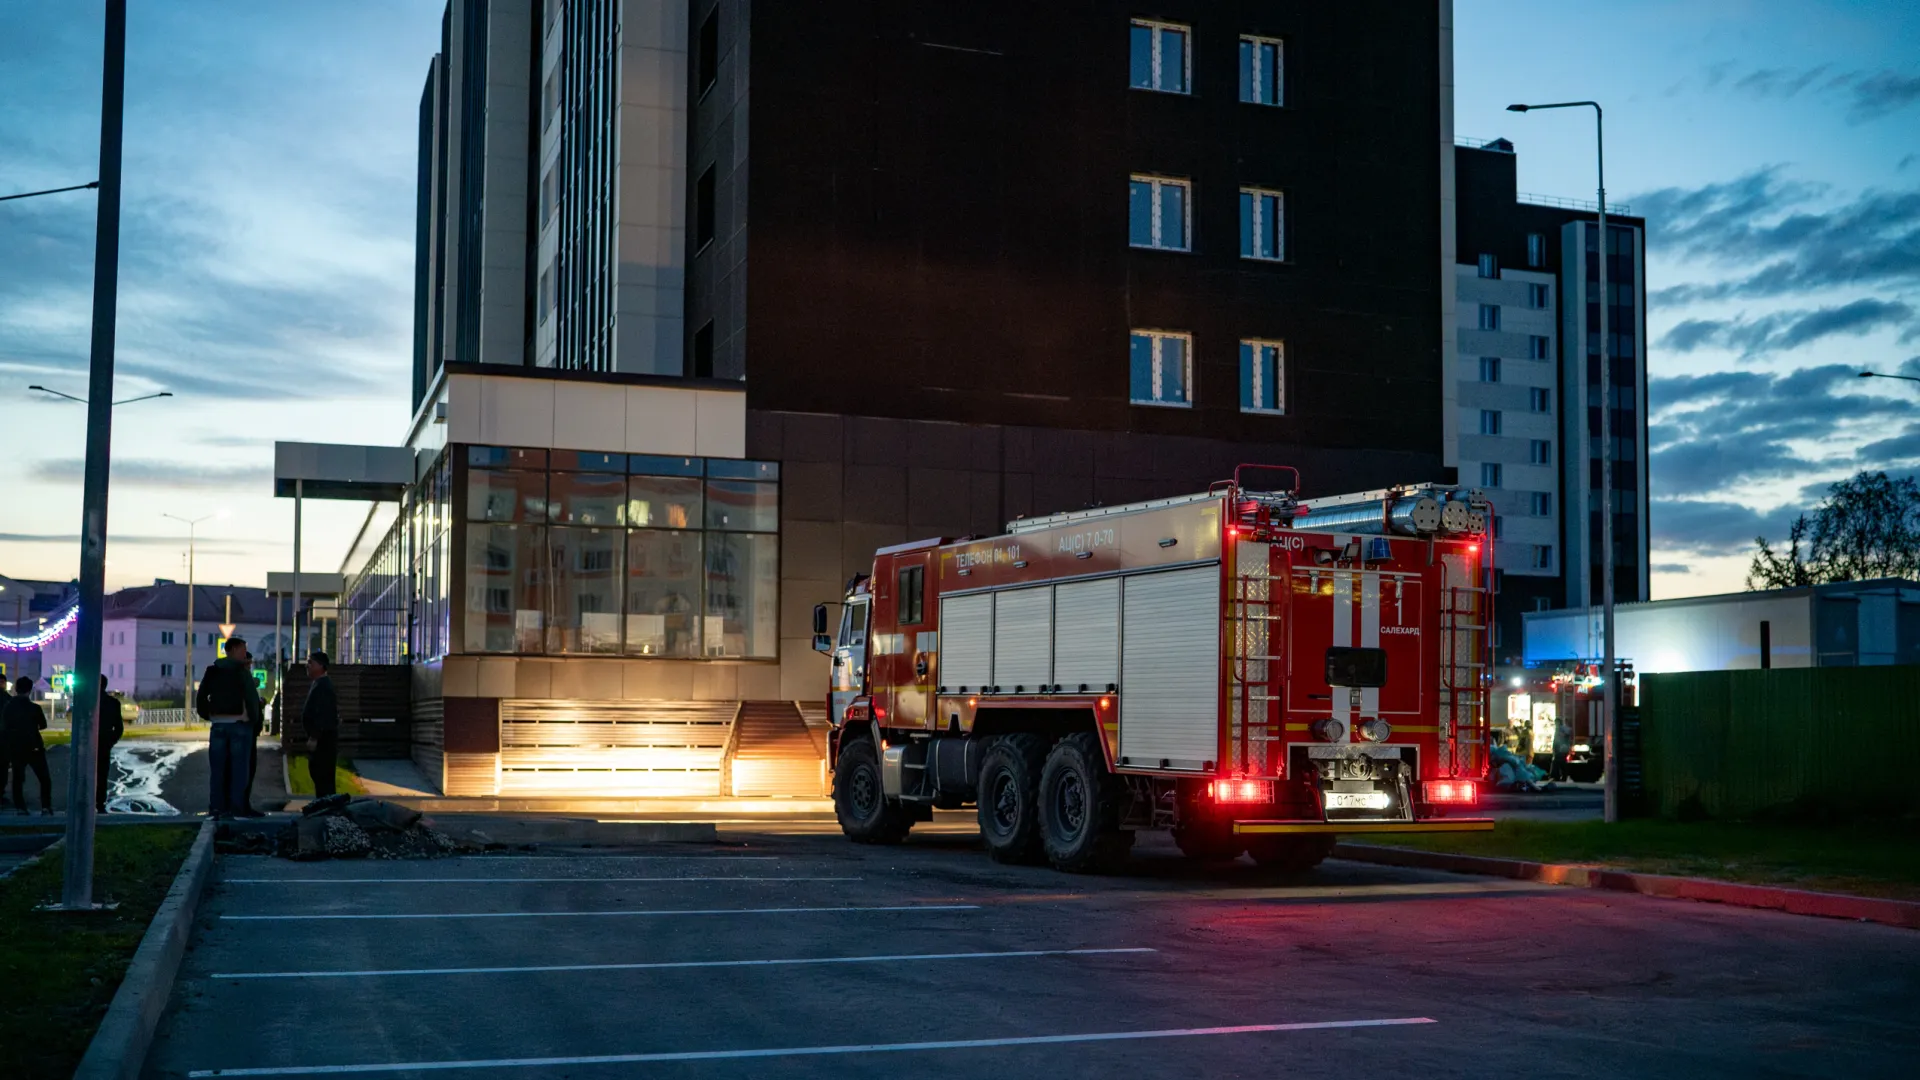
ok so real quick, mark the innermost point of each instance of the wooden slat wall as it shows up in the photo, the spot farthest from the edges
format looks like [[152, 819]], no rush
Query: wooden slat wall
[[375, 709]]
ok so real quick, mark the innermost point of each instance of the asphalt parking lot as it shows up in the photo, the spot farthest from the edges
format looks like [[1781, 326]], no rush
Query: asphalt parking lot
[[797, 955]]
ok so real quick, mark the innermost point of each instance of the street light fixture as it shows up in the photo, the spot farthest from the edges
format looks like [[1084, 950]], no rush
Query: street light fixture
[[83, 401], [51, 191], [1610, 692], [191, 524], [1881, 375]]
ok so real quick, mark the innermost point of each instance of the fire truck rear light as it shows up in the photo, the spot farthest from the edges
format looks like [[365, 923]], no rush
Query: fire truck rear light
[[1106, 702], [1242, 791], [1457, 792]]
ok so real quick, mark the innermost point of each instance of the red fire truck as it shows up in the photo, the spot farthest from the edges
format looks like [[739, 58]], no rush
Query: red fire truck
[[1255, 672]]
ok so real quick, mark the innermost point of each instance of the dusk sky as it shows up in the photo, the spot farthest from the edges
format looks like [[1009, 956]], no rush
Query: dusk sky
[[267, 259]]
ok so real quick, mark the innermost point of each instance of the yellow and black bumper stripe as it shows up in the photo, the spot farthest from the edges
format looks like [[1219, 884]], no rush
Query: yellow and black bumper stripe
[[1362, 827]]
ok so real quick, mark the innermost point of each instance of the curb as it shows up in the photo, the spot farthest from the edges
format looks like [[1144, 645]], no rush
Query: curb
[[119, 1047], [1902, 913], [60, 844], [581, 832]]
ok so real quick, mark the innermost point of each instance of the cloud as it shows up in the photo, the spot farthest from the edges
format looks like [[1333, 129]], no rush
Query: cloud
[[112, 539], [1670, 568], [1904, 447], [1867, 95], [1782, 330], [1766, 220], [1881, 93], [1715, 432], [1710, 527], [160, 474]]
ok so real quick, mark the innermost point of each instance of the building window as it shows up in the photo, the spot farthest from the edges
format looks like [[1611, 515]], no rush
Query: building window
[[1536, 347], [1160, 368], [1158, 213], [548, 198], [213, 639], [1489, 421], [1541, 452], [549, 99], [1540, 399], [1161, 59], [707, 59], [1489, 266], [1536, 249], [166, 637], [572, 552], [1490, 475], [1262, 385], [1541, 503], [1262, 224], [1536, 296], [1489, 369], [703, 210], [911, 598], [1543, 556], [1489, 316], [1499, 527], [1540, 603], [1261, 81], [166, 670], [703, 351], [546, 293]]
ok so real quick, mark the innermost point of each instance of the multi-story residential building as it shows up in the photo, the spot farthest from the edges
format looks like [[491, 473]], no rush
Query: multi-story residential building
[[29, 608], [1529, 386], [143, 643], [717, 297]]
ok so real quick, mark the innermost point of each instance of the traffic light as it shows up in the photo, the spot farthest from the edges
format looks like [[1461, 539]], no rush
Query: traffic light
[[260, 679], [65, 681]]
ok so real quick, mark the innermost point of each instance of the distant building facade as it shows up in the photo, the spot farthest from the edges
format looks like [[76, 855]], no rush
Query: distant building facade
[[1528, 330], [27, 607], [143, 644]]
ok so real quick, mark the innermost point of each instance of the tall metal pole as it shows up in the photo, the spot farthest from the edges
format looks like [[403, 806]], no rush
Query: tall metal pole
[[190, 607], [1610, 689], [76, 891], [299, 496]]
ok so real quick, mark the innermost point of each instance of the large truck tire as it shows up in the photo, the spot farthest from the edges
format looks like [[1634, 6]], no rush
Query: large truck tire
[[1289, 854], [1208, 841], [1080, 804], [1009, 797], [865, 814]]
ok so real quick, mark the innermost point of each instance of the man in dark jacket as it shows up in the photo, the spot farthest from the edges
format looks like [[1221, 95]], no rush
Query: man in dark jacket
[[321, 718], [230, 703], [21, 723], [112, 726]]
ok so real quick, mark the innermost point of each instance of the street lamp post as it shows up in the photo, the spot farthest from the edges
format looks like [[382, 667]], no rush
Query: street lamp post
[[122, 401], [1610, 692], [187, 696], [1881, 375]]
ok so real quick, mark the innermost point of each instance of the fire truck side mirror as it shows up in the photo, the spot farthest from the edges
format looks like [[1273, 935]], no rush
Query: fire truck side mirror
[[822, 643], [819, 621]]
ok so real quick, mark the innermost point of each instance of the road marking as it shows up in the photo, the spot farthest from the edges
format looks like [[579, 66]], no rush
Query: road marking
[[639, 912], [494, 880], [807, 1051], [607, 858], [890, 958]]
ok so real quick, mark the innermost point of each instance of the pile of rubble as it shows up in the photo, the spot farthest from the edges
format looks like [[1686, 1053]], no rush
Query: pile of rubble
[[349, 827]]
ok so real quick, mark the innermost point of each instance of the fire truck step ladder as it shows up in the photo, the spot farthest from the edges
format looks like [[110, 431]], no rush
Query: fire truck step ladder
[[1466, 650], [1253, 616]]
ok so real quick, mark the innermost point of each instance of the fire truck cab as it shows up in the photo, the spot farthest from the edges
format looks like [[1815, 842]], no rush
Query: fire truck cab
[[1250, 671]]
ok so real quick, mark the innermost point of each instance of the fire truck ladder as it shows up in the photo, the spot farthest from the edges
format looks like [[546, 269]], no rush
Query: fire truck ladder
[[1254, 621], [1466, 668]]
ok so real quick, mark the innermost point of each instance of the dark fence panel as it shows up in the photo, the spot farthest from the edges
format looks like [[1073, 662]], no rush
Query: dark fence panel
[[375, 709], [1737, 743]]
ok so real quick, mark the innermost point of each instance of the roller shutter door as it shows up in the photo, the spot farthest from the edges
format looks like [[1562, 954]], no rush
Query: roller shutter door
[[966, 643], [1086, 640], [1170, 668], [1023, 639]]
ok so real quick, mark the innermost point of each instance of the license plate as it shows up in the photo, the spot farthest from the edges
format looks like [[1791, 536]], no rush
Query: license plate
[[1357, 800]]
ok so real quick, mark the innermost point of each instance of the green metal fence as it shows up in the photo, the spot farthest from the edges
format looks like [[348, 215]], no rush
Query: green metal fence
[[1737, 743]]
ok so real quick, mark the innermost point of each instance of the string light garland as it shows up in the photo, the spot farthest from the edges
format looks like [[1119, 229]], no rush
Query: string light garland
[[40, 637]]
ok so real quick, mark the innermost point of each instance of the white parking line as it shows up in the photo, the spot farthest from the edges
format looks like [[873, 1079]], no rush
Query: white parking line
[[607, 858], [672, 964], [578, 914], [806, 1051], [493, 880]]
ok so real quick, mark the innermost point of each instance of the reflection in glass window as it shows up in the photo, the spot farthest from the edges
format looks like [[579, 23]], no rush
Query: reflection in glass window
[[663, 593], [743, 588], [583, 599], [663, 502], [743, 506], [504, 588], [655, 465], [506, 495], [586, 499]]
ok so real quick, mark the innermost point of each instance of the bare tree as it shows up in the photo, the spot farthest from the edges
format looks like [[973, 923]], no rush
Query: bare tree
[[1868, 526]]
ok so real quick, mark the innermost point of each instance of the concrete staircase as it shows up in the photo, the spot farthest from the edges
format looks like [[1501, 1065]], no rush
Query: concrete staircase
[[774, 754]]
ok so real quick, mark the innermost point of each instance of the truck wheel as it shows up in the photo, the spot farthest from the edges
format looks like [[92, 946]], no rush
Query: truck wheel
[[1289, 854], [859, 801], [1208, 841], [1080, 808], [1009, 797]]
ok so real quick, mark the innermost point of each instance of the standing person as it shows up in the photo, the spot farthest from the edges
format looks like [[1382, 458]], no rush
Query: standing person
[[229, 703], [112, 726], [321, 717], [20, 726]]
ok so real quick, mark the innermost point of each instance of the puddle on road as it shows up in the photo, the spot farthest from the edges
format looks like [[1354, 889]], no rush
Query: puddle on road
[[139, 768]]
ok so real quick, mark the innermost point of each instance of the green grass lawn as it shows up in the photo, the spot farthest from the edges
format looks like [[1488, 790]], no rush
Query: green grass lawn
[[58, 971], [300, 780], [1866, 859], [133, 731]]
